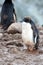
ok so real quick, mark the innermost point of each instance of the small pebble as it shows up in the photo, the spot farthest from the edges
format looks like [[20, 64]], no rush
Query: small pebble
[[1, 35]]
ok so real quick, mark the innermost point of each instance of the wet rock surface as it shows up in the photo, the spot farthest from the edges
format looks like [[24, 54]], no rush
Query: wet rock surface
[[12, 53]]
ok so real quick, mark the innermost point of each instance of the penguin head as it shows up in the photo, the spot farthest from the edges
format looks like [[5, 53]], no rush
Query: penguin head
[[8, 1], [27, 19]]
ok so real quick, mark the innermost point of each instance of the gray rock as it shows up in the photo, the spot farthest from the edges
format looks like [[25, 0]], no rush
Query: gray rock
[[1, 35], [15, 28]]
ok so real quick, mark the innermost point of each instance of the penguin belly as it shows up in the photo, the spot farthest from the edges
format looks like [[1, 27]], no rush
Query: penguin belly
[[27, 33]]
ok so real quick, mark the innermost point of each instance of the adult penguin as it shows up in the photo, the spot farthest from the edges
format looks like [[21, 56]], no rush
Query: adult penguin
[[8, 15], [31, 30]]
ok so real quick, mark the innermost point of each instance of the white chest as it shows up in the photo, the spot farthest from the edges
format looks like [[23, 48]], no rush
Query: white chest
[[27, 33]]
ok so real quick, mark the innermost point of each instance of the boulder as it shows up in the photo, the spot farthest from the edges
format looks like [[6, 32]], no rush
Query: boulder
[[15, 28]]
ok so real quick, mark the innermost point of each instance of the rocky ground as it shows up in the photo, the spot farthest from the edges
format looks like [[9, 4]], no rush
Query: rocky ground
[[12, 54]]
